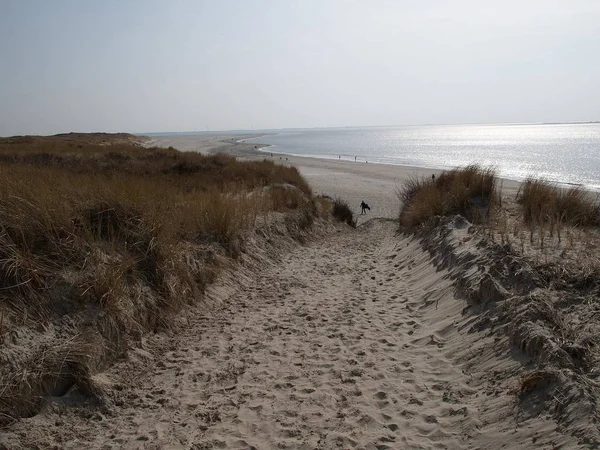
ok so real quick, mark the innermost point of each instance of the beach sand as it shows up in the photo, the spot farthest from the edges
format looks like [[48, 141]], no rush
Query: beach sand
[[356, 339]]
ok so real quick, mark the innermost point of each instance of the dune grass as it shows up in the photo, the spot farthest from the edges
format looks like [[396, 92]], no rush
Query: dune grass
[[543, 202], [469, 191], [118, 238], [342, 212], [50, 217]]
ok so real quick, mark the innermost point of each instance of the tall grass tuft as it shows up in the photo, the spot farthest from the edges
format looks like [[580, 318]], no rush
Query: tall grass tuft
[[342, 212], [469, 191], [542, 202]]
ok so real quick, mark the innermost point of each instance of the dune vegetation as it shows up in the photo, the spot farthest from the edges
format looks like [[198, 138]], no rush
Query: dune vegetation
[[543, 202], [528, 268], [102, 240], [342, 212], [469, 191], [543, 221], [473, 192]]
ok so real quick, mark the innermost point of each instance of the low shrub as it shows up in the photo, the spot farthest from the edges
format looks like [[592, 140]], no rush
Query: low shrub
[[342, 212]]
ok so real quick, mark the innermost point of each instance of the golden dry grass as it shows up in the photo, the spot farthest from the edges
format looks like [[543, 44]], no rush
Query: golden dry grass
[[469, 191], [52, 215], [120, 235], [542, 202]]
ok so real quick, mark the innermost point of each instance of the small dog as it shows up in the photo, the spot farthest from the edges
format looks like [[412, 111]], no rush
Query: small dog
[[364, 207]]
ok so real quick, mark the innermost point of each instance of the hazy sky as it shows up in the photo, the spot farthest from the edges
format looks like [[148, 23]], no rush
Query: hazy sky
[[179, 65]]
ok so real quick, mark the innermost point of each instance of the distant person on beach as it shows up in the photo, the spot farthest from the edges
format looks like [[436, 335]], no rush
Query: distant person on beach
[[433, 177], [355, 158], [364, 207]]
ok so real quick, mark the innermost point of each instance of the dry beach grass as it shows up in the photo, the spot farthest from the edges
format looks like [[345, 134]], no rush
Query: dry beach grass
[[114, 239], [466, 191]]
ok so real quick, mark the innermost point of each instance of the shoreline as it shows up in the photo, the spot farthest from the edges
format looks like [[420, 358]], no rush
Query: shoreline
[[236, 145], [239, 148], [559, 184], [375, 183], [403, 166]]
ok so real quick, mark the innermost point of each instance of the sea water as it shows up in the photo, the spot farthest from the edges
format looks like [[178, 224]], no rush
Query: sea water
[[563, 153]]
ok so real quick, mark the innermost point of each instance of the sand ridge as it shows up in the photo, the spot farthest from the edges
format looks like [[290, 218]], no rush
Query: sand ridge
[[353, 341]]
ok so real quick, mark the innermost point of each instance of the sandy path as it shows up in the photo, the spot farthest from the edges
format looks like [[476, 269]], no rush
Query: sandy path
[[333, 356], [352, 341]]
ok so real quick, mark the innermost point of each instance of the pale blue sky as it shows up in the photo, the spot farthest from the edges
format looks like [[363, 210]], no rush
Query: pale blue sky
[[179, 65]]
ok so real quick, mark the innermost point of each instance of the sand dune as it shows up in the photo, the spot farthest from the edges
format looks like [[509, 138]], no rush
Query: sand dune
[[354, 341]]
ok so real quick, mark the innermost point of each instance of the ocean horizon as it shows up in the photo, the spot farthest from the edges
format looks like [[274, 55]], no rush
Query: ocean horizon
[[563, 153]]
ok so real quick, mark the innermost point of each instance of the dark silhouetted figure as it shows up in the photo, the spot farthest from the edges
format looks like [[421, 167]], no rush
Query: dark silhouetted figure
[[364, 207], [433, 177]]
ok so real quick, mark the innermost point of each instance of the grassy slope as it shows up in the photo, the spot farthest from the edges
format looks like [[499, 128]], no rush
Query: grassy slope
[[102, 240]]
